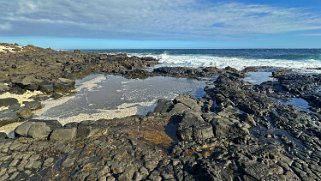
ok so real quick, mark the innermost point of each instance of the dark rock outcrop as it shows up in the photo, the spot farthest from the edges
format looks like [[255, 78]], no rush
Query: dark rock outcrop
[[9, 102], [238, 131], [63, 134], [193, 127], [38, 129], [3, 136], [8, 116]]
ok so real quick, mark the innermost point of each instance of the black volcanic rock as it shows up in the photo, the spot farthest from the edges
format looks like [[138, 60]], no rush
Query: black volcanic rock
[[238, 131]]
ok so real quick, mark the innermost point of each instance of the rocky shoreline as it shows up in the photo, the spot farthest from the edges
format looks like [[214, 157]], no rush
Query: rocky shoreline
[[238, 131]]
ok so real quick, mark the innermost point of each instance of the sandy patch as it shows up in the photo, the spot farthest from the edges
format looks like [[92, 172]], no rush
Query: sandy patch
[[51, 103], [10, 127], [3, 108], [102, 114], [8, 48], [123, 110], [21, 97]]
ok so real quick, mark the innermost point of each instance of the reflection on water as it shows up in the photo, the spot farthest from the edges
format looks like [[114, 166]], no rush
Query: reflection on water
[[300, 103], [100, 96], [259, 77]]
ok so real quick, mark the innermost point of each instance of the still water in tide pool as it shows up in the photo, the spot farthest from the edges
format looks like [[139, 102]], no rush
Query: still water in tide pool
[[100, 96]]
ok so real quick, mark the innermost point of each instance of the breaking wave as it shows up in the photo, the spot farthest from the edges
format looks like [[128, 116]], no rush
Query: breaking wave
[[199, 60]]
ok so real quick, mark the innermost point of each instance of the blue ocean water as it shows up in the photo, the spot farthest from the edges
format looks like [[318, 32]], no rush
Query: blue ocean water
[[288, 54], [301, 59]]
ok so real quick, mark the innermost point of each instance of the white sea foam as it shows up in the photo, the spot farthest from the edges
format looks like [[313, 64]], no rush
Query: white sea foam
[[92, 83], [197, 60], [259, 77]]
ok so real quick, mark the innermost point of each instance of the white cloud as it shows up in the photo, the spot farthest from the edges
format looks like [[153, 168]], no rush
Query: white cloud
[[312, 34], [27, 6], [5, 26], [161, 18]]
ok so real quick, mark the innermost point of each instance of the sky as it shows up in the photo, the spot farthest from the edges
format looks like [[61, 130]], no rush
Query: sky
[[121, 24]]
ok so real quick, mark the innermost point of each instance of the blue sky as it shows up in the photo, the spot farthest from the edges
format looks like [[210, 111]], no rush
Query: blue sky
[[94, 24]]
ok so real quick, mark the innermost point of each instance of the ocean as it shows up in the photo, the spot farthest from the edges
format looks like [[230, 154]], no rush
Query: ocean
[[300, 59]]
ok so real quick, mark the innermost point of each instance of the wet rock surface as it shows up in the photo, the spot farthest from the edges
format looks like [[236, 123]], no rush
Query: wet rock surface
[[238, 131]]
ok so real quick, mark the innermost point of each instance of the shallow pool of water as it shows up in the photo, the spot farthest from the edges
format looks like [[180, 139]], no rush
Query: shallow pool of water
[[106, 97], [258, 77], [299, 103]]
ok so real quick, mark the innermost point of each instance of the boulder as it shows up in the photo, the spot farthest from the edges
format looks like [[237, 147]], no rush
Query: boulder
[[47, 88], [8, 102], [63, 85], [3, 136], [30, 83], [178, 108], [203, 131], [33, 130], [33, 105], [87, 129], [28, 80], [193, 127], [163, 106], [7, 117], [221, 126], [38, 129], [25, 113], [188, 101], [230, 128], [63, 134]]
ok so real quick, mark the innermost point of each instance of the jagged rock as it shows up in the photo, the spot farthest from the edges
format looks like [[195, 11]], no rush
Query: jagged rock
[[186, 71], [207, 170], [188, 101], [178, 109], [63, 134], [221, 126], [261, 171], [193, 127], [249, 119], [228, 128], [227, 111], [163, 106], [289, 152], [127, 174], [203, 132]]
